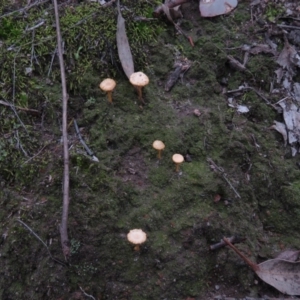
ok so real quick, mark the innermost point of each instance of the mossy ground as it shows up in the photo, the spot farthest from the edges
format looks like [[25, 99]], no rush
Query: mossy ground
[[129, 187]]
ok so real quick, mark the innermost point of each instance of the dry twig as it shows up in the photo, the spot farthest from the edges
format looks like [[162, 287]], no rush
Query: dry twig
[[87, 295], [29, 110], [37, 237], [221, 171], [66, 181]]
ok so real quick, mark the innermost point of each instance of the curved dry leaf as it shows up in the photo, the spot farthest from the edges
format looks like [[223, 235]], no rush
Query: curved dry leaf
[[212, 8], [290, 255], [281, 128], [124, 50], [282, 274], [286, 58]]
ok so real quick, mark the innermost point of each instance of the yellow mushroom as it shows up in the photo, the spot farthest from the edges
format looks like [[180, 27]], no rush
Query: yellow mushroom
[[177, 159], [136, 237], [159, 146], [108, 85], [139, 80]]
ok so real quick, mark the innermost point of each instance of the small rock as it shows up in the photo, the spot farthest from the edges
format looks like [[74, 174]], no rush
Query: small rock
[[197, 112]]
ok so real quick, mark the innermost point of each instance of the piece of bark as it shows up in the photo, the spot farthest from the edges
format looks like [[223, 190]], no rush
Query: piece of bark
[[180, 68], [173, 77]]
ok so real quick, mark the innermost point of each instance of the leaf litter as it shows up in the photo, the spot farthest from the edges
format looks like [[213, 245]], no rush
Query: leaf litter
[[289, 61]]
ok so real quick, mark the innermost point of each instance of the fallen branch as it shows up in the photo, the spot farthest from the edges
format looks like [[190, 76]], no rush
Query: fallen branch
[[66, 180]]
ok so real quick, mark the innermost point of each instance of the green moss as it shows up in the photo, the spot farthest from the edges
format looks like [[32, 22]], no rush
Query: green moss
[[129, 188]]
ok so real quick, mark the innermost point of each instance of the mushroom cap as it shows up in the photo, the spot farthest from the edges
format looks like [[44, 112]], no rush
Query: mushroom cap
[[139, 79], [136, 236], [177, 158], [107, 85], [158, 145]]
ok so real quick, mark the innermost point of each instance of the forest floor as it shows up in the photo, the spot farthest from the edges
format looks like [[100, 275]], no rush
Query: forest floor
[[240, 177]]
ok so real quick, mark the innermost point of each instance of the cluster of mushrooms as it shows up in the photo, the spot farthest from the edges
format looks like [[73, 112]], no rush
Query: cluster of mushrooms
[[138, 236], [137, 79], [177, 158]]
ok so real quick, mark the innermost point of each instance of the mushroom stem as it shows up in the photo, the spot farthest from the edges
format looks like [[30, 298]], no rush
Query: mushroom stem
[[177, 167], [159, 154], [139, 91], [109, 96], [136, 248]]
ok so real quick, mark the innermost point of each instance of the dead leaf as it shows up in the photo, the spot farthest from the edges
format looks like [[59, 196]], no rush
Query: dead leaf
[[290, 255], [286, 57], [212, 8], [281, 128], [124, 50], [236, 64], [279, 72], [282, 274], [297, 91], [262, 48], [291, 117]]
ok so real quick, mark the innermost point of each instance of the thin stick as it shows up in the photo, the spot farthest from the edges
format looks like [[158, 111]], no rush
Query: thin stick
[[222, 243], [21, 10], [64, 220], [253, 265], [90, 296], [224, 175], [257, 93], [37, 237], [87, 149], [19, 144], [28, 160], [52, 59], [14, 92], [5, 103], [289, 26]]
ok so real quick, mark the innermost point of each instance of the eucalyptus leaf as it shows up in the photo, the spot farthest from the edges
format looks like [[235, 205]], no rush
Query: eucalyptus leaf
[[282, 274], [124, 50]]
